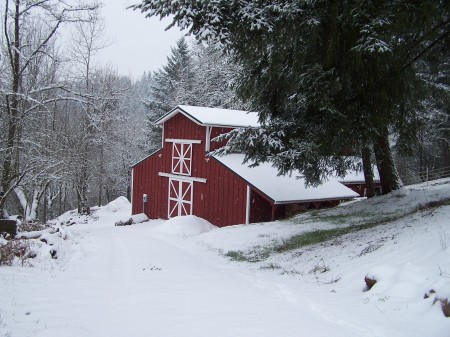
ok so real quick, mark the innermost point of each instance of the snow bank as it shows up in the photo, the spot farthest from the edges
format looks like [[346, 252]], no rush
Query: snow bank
[[189, 225], [119, 204], [138, 218], [406, 281], [104, 216]]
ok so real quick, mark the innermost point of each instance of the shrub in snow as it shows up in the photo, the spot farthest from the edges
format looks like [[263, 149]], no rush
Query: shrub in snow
[[43, 243], [445, 304], [124, 222], [13, 249], [370, 282], [445, 307], [383, 273], [32, 227]]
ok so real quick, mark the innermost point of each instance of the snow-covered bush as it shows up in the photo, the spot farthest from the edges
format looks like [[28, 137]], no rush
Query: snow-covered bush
[[124, 222], [31, 227], [14, 250]]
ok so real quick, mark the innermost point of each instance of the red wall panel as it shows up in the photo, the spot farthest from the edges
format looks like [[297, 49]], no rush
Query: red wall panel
[[260, 208], [215, 132], [147, 181]]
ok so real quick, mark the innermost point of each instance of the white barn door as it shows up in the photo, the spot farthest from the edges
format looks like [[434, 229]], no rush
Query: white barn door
[[180, 197]]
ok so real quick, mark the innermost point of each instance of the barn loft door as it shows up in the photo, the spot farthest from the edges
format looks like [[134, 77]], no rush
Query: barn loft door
[[180, 197], [182, 158]]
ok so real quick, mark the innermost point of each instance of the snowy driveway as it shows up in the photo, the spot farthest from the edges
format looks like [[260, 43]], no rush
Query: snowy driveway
[[149, 279], [129, 281]]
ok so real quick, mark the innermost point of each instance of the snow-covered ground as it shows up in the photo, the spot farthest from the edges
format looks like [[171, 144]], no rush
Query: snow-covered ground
[[173, 278]]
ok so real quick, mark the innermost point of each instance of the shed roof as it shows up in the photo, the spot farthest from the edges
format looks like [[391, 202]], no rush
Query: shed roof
[[357, 177], [284, 189], [213, 116]]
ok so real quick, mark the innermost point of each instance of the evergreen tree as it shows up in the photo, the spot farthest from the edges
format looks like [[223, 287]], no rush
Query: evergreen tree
[[213, 78], [200, 75], [171, 83], [328, 77], [431, 149]]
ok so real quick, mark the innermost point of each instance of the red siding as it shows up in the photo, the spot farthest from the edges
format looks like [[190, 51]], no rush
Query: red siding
[[181, 127], [215, 132], [225, 193], [147, 181]]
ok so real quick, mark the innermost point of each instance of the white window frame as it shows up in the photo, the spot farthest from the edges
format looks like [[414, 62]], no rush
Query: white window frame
[[182, 164]]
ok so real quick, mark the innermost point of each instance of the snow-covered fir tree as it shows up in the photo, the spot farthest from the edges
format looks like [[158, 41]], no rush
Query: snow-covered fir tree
[[193, 75], [328, 78]]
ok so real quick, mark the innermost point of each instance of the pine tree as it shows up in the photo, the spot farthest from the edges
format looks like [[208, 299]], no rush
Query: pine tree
[[198, 75], [171, 83], [328, 77]]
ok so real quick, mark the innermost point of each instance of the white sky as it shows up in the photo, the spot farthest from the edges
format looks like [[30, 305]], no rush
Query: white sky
[[138, 44]]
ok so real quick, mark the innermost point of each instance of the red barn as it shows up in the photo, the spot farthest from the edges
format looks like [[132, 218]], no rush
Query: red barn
[[181, 179]]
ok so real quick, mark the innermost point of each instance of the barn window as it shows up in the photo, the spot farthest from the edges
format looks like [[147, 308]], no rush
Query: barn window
[[182, 158]]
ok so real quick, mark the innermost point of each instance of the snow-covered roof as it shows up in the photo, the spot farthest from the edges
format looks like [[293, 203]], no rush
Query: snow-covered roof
[[284, 189], [214, 116], [357, 177]]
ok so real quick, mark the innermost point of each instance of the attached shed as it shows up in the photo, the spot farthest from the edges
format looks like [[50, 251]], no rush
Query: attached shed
[[355, 180], [181, 179]]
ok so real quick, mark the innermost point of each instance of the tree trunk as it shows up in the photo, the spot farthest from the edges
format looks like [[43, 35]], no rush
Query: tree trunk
[[389, 178], [129, 181], [79, 202], [368, 171], [83, 207], [445, 153], [44, 210], [101, 175], [12, 104]]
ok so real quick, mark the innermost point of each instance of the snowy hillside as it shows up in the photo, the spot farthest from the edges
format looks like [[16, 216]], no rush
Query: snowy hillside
[[185, 277]]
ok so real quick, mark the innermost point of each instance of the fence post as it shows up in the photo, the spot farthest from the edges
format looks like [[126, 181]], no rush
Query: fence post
[[427, 176]]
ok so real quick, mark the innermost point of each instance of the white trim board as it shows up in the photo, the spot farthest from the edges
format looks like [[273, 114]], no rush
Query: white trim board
[[183, 141], [247, 205], [175, 176]]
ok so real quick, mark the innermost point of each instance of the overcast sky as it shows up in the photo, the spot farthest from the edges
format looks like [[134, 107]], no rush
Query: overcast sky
[[138, 44]]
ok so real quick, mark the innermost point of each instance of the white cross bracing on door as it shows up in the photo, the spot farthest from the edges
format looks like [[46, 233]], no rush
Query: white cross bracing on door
[[181, 158], [180, 197]]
